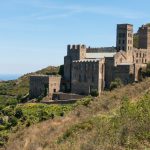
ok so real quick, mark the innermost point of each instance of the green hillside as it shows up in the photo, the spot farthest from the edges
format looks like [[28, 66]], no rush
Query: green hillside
[[117, 120], [20, 87]]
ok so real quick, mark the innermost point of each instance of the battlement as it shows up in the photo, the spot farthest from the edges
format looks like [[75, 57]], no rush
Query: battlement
[[76, 47]]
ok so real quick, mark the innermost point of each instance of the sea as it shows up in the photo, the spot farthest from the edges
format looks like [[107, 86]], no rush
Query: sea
[[6, 77]]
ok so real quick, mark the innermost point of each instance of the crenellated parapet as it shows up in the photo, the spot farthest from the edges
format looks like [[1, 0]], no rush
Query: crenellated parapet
[[76, 52]]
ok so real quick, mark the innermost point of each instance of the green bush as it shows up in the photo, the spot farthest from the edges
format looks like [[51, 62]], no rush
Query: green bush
[[11, 102], [145, 72], [18, 113], [84, 101], [94, 92], [115, 84], [13, 121], [8, 111]]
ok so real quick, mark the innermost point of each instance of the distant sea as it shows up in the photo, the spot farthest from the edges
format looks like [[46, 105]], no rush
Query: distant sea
[[6, 77]]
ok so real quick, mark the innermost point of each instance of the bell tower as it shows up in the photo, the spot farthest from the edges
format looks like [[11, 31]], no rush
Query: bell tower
[[124, 37]]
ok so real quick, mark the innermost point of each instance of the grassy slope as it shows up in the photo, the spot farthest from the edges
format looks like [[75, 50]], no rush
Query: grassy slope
[[108, 122], [11, 93]]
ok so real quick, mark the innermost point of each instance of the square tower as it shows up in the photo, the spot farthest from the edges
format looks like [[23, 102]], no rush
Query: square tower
[[144, 36], [124, 37]]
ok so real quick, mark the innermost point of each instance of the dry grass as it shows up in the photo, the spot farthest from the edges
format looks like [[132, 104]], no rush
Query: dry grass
[[45, 135]]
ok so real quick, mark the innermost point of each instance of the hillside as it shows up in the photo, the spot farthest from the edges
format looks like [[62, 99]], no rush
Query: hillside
[[116, 120], [14, 115], [20, 87]]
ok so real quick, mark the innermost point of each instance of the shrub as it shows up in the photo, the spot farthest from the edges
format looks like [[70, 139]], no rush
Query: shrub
[[62, 114], [8, 111], [94, 92], [115, 84], [43, 115], [145, 72], [13, 121], [84, 101], [52, 116], [19, 97], [18, 113], [11, 102]]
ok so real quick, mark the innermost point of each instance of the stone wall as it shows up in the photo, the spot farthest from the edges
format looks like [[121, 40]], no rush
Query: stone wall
[[87, 75], [54, 85], [125, 72], [74, 52], [109, 68], [38, 85], [66, 96], [43, 85], [144, 37]]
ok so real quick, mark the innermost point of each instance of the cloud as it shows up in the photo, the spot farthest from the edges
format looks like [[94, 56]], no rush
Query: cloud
[[45, 10], [69, 10]]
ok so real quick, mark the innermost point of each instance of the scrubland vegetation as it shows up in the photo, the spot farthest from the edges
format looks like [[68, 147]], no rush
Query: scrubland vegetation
[[118, 119]]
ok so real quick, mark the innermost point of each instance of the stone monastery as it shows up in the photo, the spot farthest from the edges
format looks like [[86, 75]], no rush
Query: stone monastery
[[87, 69]]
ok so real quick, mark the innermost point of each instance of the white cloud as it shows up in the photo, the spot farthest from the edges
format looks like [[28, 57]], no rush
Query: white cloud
[[77, 9]]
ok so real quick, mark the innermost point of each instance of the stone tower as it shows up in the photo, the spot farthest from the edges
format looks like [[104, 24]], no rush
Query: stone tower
[[144, 36], [74, 52], [124, 37]]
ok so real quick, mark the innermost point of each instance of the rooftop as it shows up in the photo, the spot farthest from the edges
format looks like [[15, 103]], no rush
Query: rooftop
[[99, 55]]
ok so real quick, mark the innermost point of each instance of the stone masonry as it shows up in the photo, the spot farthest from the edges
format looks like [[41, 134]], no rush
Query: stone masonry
[[44, 85]]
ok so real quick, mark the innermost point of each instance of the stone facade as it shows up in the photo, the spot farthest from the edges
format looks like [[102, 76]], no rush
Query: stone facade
[[44, 85], [86, 76], [95, 68], [144, 37], [124, 37]]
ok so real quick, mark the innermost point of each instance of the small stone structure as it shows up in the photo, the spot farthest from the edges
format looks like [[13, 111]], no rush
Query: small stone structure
[[44, 85]]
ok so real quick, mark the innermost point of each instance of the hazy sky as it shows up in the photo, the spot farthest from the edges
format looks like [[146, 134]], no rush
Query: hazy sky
[[34, 33]]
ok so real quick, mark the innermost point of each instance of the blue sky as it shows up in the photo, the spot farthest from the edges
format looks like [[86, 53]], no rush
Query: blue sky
[[34, 33]]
